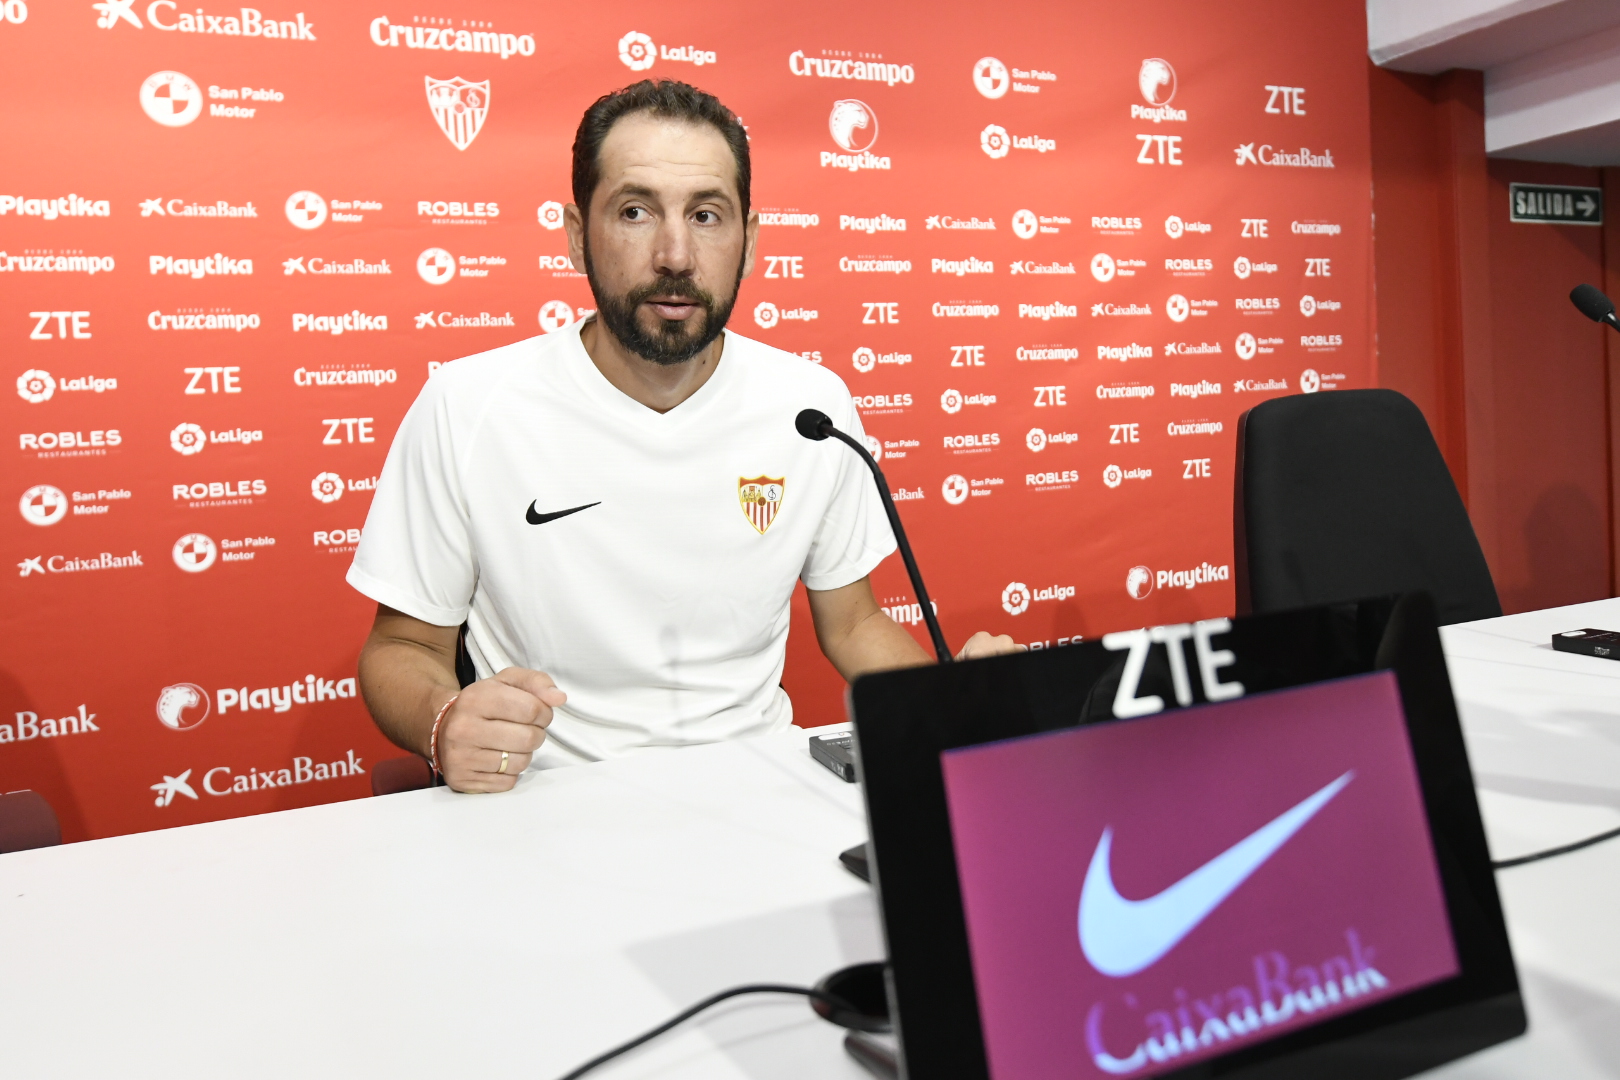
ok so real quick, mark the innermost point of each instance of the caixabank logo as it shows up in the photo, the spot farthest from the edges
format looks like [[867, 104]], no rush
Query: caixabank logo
[[231, 780], [165, 15]]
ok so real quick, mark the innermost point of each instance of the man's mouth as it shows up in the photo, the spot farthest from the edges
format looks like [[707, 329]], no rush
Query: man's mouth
[[673, 308]]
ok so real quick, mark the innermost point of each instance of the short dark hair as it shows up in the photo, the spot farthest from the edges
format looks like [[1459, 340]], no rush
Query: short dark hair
[[666, 98]]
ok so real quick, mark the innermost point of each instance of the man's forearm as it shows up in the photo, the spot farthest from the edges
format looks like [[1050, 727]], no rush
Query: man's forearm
[[404, 683], [875, 643]]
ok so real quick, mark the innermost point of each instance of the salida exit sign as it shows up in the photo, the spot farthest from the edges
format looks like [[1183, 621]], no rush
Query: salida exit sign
[[1555, 204]]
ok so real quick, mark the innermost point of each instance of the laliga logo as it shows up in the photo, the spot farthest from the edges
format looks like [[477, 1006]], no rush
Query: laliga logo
[[178, 709], [436, 266], [35, 386], [194, 553], [327, 487], [171, 99], [853, 125], [864, 359], [1309, 381], [995, 141], [766, 315], [1139, 582], [306, 210], [1025, 224], [556, 315], [1015, 598], [1177, 308], [1307, 306], [1242, 267], [551, 214], [188, 439], [955, 489], [43, 504], [1245, 346], [1113, 475], [990, 77], [1157, 81], [951, 402], [1036, 439], [637, 51], [1102, 267]]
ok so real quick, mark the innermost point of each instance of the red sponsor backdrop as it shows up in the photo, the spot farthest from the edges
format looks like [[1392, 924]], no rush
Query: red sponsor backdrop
[[1054, 249]]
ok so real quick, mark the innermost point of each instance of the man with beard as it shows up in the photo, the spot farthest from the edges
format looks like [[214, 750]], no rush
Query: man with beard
[[619, 511]]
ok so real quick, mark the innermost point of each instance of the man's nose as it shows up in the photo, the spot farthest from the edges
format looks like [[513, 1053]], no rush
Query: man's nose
[[673, 250]]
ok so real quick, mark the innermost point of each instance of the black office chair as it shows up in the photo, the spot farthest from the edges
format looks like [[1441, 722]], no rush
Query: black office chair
[[412, 772], [27, 821], [1343, 495]]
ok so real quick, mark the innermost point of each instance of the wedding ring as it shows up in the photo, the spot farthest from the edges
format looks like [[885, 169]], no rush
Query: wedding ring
[[504, 756]]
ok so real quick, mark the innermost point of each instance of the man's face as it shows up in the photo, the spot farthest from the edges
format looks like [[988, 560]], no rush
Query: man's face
[[666, 244]]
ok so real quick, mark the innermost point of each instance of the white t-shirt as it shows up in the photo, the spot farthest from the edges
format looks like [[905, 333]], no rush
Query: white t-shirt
[[644, 561]]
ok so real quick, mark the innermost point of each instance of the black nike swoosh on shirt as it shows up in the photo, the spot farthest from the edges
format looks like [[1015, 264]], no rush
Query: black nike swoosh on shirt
[[540, 519]]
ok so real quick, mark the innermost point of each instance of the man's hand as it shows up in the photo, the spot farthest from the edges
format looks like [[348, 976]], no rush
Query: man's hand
[[982, 644], [508, 712]]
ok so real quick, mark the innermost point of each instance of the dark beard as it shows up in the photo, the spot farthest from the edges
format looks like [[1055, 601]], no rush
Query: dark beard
[[673, 342]]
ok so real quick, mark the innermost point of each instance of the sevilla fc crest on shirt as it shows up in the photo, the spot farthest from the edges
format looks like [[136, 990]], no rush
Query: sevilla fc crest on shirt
[[761, 498], [460, 107]]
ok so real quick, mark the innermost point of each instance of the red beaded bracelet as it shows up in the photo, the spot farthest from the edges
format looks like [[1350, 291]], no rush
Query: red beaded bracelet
[[433, 739]]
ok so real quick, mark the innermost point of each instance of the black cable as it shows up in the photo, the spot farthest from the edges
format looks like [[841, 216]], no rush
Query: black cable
[[1537, 856], [735, 991]]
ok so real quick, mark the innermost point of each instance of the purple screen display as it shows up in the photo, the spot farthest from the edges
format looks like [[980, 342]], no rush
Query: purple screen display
[[1144, 894]]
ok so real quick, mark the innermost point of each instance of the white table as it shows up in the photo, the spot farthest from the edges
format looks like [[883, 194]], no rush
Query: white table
[[434, 935]]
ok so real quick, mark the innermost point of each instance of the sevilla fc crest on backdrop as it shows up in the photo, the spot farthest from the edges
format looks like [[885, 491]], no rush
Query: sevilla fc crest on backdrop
[[460, 107], [761, 498]]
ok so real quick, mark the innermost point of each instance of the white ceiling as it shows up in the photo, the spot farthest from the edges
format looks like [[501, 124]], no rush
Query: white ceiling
[[1552, 68]]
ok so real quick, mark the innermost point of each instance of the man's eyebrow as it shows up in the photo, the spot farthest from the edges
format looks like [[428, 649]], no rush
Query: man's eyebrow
[[712, 193]]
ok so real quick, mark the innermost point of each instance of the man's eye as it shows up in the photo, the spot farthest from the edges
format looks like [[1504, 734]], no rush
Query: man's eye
[[706, 217], [635, 213]]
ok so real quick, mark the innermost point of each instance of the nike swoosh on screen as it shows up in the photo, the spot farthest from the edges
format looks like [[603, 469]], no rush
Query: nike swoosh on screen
[[540, 519], [1121, 937]]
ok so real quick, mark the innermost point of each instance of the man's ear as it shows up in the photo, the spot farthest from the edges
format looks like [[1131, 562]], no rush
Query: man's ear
[[750, 242], [574, 225]]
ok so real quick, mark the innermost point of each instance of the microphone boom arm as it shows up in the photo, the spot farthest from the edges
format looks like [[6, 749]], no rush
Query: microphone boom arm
[[822, 428]]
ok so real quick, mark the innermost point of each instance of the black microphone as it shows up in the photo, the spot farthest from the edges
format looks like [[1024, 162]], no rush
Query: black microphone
[[1594, 305], [816, 425]]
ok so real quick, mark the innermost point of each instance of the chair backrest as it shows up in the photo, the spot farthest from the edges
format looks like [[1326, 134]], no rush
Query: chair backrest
[[398, 774], [1344, 495], [27, 821]]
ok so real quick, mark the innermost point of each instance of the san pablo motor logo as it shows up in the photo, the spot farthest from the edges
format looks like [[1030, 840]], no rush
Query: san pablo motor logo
[[459, 106], [761, 498]]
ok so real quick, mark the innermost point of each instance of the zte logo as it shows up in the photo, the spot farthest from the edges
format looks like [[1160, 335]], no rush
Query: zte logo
[[1050, 396], [1286, 100], [784, 266], [221, 380], [1313, 268], [1195, 468], [967, 356], [888, 313], [75, 324], [1120, 434], [356, 429], [1159, 150], [1255, 227]]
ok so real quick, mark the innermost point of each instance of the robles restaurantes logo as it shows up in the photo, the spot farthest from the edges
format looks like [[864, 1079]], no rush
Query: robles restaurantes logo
[[638, 52], [459, 107], [854, 127]]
